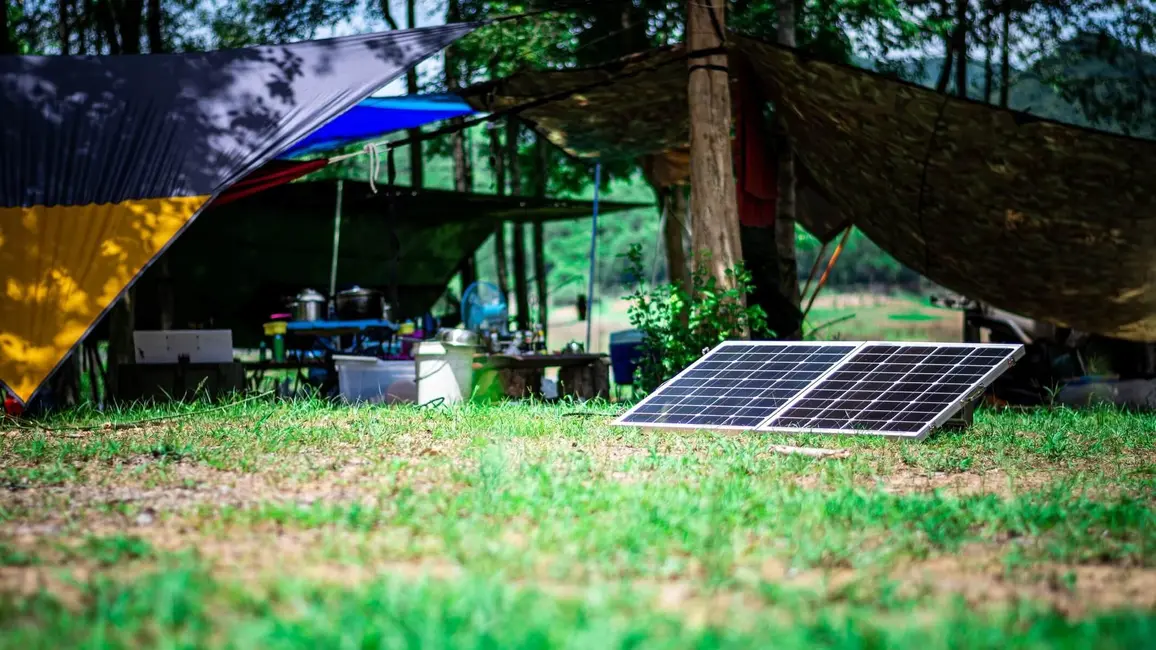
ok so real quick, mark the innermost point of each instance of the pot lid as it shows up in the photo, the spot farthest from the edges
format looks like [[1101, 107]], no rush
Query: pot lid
[[358, 291], [309, 295]]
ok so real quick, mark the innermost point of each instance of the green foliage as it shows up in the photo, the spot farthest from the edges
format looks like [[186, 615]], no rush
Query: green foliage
[[677, 325]]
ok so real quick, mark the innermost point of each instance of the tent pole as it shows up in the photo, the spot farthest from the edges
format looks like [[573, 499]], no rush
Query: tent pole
[[336, 240], [593, 257]]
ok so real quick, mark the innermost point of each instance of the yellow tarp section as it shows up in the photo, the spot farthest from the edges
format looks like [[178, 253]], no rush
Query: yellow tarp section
[[63, 266]]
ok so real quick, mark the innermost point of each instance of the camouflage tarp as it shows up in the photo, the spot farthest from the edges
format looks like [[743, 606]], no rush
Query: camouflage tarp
[[1051, 221], [632, 109], [630, 117], [1043, 219]]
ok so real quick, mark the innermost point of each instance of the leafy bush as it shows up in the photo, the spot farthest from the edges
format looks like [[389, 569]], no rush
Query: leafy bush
[[678, 325]]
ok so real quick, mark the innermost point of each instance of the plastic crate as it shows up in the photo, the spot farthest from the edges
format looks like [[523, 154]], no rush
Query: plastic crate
[[371, 380]]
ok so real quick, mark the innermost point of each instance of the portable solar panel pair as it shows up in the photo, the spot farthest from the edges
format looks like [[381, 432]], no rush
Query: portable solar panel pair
[[897, 389]]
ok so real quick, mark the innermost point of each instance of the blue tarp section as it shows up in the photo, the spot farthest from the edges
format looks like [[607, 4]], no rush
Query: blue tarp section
[[377, 116]]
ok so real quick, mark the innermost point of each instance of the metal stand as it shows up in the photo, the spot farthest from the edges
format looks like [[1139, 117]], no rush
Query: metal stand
[[964, 418]]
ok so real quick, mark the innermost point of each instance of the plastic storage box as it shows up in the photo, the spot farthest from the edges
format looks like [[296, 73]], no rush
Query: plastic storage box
[[367, 379]]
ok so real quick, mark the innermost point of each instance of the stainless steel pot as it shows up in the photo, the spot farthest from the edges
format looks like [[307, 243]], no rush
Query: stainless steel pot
[[462, 337], [357, 303], [309, 305]]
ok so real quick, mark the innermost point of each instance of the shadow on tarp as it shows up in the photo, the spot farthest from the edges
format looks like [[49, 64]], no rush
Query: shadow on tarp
[[234, 267]]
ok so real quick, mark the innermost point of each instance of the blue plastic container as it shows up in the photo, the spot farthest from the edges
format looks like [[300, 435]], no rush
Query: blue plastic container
[[625, 351]]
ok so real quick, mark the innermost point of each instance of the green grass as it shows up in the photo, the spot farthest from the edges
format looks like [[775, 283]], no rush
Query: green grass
[[169, 607], [303, 524]]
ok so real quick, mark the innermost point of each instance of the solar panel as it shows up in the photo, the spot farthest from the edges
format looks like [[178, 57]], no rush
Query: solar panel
[[737, 385], [895, 389], [883, 388]]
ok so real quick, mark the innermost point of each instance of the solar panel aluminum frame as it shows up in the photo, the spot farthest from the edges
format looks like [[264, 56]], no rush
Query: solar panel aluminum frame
[[620, 420], [1016, 353]]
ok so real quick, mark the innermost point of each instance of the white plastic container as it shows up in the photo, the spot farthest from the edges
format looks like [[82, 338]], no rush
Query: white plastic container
[[365, 379], [461, 360], [436, 381]]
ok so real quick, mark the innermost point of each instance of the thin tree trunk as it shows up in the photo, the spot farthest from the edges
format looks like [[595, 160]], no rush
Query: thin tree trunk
[[7, 43], [673, 231], [165, 293], [155, 34], [513, 161], [988, 68], [521, 284], [541, 164], [461, 161], [960, 47], [785, 209], [82, 27], [129, 16], [513, 165], [1005, 55], [65, 381], [63, 27], [497, 162], [416, 163], [121, 323], [716, 233], [948, 52]]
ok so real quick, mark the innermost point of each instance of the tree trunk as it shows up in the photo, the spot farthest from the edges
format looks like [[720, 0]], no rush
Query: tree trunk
[[712, 198], [65, 381], [988, 70], [416, 164], [497, 163], [1005, 55], [165, 293], [462, 176], [513, 135], [785, 208], [521, 284], [540, 165], [121, 323], [82, 26], [673, 232], [948, 53], [960, 47], [129, 16], [155, 34], [7, 43], [63, 26]]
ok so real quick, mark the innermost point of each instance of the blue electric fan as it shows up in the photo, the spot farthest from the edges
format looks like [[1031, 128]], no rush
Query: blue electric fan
[[484, 308]]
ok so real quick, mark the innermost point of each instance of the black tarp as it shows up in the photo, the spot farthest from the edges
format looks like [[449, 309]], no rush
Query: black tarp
[[233, 268]]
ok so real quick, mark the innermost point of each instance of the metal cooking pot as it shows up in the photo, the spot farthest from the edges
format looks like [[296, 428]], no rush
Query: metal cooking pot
[[459, 336], [308, 306], [357, 303]]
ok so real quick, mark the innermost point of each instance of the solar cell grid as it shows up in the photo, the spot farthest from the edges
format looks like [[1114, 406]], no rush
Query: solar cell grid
[[893, 389], [737, 385]]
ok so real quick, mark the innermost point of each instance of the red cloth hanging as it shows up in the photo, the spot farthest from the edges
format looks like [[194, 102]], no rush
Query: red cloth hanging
[[756, 177], [271, 174]]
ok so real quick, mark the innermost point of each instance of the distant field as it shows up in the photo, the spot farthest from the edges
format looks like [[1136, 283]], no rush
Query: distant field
[[857, 316], [303, 525]]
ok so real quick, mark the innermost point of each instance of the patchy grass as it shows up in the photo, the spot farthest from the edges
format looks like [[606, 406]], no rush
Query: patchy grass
[[305, 525]]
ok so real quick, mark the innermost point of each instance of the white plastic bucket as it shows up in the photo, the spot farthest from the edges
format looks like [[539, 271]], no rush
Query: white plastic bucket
[[436, 381], [461, 360]]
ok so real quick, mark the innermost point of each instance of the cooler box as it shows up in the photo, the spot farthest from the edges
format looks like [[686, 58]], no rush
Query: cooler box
[[625, 351], [368, 379]]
